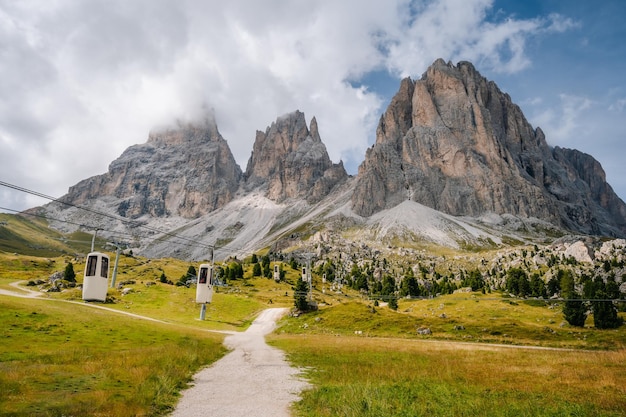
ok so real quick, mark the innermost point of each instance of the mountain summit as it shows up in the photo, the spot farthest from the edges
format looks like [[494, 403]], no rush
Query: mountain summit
[[454, 142], [290, 161], [187, 170]]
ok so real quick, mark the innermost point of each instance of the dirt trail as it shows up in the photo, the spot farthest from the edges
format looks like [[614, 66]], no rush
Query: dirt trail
[[252, 380], [20, 291]]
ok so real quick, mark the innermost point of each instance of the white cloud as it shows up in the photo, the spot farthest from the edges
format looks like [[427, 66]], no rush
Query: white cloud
[[559, 23], [568, 121], [458, 30], [618, 105]]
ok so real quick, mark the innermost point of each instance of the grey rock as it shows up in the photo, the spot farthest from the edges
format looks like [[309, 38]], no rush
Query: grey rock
[[424, 331], [454, 142], [289, 160], [186, 171]]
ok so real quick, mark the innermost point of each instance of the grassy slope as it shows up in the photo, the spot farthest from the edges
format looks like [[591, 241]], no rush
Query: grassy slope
[[489, 318], [233, 307], [390, 370], [60, 358], [28, 235]]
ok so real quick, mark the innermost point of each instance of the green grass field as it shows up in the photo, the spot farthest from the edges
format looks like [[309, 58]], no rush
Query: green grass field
[[380, 377], [59, 358], [62, 359], [473, 317]]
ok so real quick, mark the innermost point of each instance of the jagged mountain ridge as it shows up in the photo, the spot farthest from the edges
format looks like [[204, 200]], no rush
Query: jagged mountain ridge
[[291, 161], [450, 144], [454, 142]]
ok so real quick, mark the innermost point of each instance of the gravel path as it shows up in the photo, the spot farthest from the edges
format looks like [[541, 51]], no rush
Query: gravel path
[[20, 291], [252, 380]]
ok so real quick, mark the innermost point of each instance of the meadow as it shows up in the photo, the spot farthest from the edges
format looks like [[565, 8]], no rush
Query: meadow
[[60, 356], [358, 376], [64, 359]]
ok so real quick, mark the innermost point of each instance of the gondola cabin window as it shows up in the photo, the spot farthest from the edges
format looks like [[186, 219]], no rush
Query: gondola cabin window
[[203, 275], [104, 269], [92, 265]]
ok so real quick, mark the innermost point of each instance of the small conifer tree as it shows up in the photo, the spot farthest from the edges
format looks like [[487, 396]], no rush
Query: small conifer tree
[[69, 274], [300, 294]]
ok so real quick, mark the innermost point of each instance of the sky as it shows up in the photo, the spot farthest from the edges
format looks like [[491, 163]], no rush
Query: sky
[[82, 80]]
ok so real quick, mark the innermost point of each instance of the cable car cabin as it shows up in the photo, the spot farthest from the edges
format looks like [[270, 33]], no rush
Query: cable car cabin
[[204, 287], [96, 278], [276, 273]]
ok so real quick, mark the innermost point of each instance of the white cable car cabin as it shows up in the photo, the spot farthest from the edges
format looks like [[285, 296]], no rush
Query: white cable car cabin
[[204, 286], [96, 278], [276, 273]]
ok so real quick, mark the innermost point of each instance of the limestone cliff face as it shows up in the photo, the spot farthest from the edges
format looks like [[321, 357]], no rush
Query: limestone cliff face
[[186, 171], [454, 142], [289, 160]]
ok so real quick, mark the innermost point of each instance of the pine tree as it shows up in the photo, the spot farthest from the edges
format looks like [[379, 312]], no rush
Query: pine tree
[[191, 273], [554, 286], [574, 311], [69, 274], [236, 270], [604, 311], [410, 287], [300, 294], [517, 282], [474, 280], [537, 286], [388, 286], [265, 266]]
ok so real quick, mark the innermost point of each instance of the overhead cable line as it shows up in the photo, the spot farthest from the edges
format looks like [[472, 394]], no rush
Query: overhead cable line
[[133, 223], [113, 233]]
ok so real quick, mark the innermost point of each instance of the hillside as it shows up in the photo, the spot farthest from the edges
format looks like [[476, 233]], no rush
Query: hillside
[[28, 235]]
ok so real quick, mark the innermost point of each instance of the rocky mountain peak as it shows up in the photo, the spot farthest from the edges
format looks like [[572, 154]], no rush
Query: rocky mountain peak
[[289, 160], [187, 132], [454, 142], [187, 170]]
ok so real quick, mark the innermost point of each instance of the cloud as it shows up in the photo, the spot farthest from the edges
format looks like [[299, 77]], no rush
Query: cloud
[[568, 120], [618, 105], [82, 81], [460, 30], [583, 123], [558, 23]]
